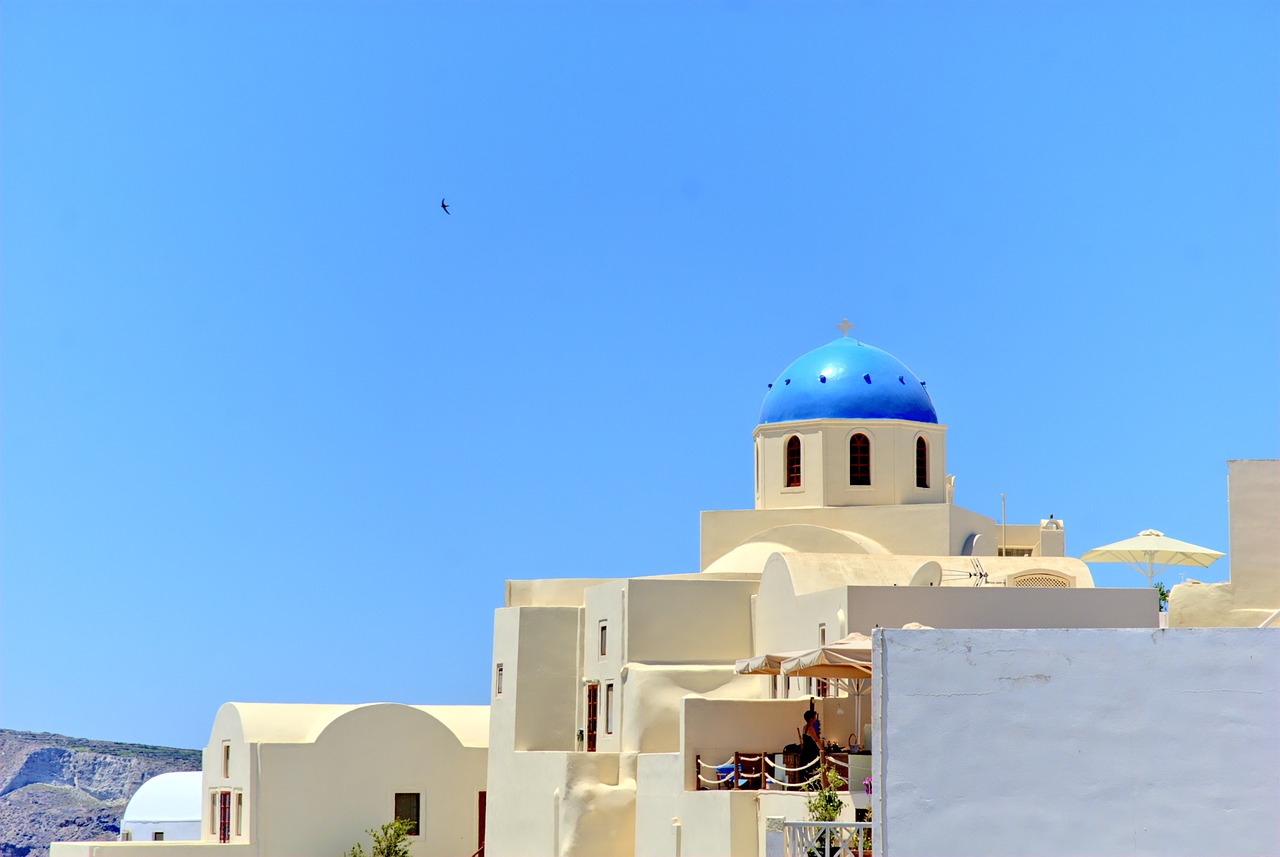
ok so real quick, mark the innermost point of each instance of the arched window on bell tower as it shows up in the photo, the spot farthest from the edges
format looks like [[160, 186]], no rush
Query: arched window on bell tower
[[793, 462], [859, 460], [922, 463]]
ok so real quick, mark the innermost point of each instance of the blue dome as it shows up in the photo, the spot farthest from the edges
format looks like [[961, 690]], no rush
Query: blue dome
[[847, 380]]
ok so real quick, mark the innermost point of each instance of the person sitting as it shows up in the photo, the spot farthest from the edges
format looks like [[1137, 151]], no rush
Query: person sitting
[[811, 745]]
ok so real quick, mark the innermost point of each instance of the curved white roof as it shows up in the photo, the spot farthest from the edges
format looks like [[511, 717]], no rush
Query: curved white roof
[[292, 723], [167, 797]]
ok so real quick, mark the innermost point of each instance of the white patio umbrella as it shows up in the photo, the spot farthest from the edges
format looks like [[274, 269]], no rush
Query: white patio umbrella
[[1150, 552]]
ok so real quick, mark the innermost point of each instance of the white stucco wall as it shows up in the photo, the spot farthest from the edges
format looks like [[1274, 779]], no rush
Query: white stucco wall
[[1063, 742]]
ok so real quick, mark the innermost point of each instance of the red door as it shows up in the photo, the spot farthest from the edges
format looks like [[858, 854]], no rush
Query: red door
[[224, 816], [593, 705]]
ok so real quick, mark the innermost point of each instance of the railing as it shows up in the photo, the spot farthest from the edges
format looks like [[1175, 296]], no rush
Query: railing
[[826, 838], [757, 771]]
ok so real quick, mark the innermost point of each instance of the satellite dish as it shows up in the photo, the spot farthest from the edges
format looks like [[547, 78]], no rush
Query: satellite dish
[[928, 574]]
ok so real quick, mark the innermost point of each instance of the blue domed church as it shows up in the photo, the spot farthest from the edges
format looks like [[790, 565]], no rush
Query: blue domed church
[[848, 425]]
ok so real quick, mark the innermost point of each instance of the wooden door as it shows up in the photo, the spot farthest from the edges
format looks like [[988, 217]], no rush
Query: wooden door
[[224, 816], [593, 707]]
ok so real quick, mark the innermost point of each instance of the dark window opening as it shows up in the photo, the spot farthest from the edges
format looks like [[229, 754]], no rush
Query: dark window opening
[[859, 460], [793, 462], [408, 807], [922, 464]]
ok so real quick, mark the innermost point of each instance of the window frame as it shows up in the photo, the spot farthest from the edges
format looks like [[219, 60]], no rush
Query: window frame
[[922, 462], [793, 462], [860, 467], [416, 819]]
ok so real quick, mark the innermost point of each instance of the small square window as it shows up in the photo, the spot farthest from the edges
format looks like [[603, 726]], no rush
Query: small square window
[[157, 836], [408, 806], [604, 638], [497, 680]]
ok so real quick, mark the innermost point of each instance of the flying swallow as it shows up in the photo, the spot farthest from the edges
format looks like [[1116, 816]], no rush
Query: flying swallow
[[442, 205]]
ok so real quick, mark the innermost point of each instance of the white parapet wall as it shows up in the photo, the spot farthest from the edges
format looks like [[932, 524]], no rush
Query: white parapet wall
[[1063, 742]]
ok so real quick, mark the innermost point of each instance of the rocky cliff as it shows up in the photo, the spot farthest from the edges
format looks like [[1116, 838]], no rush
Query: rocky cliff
[[55, 788]]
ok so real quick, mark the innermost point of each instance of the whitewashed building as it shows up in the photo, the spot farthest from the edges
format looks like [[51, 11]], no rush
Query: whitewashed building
[[616, 709]]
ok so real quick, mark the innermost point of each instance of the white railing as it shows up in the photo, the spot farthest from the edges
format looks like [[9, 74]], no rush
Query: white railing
[[826, 838]]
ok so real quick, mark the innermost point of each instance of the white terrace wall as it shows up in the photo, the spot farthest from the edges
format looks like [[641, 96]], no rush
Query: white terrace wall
[[1062, 742]]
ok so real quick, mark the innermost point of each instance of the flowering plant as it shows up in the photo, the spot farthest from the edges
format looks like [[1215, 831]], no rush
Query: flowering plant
[[866, 784]]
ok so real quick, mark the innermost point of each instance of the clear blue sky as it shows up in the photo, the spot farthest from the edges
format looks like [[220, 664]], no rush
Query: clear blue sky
[[277, 428]]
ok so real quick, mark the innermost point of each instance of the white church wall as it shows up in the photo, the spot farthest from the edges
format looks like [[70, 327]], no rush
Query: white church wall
[[1134, 741], [824, 471]]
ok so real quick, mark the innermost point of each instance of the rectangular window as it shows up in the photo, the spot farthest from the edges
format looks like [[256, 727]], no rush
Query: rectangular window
[[226, 759], [604, 638], [822, 633], [1014, 552], [608, 708], [239, 812], [497, 681], [408, 805], [157, 836], [213, 813], [126, 836]]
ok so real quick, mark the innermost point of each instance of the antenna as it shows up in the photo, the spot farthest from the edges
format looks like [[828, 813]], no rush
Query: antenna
[[1004, 535]]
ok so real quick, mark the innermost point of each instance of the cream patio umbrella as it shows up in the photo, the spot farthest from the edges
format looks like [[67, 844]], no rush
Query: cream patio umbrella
[[1150, 552], [763, 664], [848, 659]]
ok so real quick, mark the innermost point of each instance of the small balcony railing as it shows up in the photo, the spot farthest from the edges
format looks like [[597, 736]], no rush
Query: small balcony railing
[[826, 838]]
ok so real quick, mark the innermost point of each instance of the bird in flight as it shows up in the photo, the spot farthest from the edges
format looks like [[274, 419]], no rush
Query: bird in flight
[[442, 205]]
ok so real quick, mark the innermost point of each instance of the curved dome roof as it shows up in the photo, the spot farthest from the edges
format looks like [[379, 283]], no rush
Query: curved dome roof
[[847, 380], [174, 796]]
